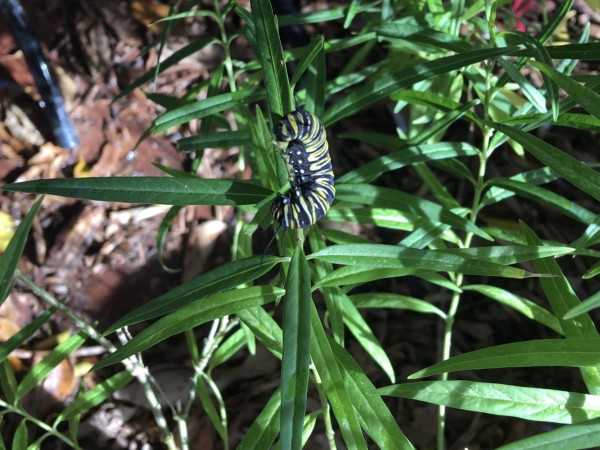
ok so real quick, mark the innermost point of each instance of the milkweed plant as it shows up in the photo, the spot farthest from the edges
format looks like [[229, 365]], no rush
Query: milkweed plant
[[437, 70]]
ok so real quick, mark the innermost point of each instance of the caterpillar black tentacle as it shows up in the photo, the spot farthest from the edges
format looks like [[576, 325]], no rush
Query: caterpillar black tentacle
[[303, 142]]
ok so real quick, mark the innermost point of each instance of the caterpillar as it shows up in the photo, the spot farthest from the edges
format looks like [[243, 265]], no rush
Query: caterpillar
[[301, 137]]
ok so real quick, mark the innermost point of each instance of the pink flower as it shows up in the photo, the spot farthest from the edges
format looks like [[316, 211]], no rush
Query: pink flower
[[520, 7]]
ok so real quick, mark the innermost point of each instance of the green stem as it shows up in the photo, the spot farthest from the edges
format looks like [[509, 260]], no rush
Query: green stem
[[39, 423], [134, 366], [329, 432], [459, 278]]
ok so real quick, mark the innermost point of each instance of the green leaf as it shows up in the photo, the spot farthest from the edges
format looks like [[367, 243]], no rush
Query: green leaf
[[264, 429], [562, 298], [223, 139], [296, 351], [405, 155], [10, 258], [539, 353], [175, 58], [394, 257], [161, 190], [385, 85], [266, 330], [366, 338], [500, 254], [572, 170], [225, 276], [61, 352], [20, 437], [277, 84], [205, 108], [395, 301], [311, 51], [533, 94], [570, 437], [99, 393], [19, 338], [558, 202], [192, 315], [357, 275], [588, 304], [587, 98], [382, 217], [334, 386], [410, 204], [545, 405], [376, 419], [519, 304]]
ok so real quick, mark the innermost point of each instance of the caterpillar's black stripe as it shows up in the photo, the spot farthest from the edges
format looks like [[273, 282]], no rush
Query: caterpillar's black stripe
[[301, 137]]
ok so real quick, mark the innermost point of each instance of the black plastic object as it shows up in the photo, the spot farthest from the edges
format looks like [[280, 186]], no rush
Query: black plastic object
[[52, 102]]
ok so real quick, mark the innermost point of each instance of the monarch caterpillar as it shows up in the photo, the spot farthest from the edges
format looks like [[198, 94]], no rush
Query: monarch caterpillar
[[301, 137]]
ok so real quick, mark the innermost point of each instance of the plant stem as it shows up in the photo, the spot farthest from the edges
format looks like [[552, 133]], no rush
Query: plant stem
[[134, 366], [330, 433]]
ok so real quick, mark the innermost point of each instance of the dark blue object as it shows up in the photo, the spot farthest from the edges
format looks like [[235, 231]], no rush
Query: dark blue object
[[52, 102]]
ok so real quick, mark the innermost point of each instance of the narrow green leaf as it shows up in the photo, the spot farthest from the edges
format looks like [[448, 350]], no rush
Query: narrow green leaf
[[382, 217], [225, 276], [277, 84], [395, 257], [311, 51], [405, 156], [19, 338], [395, 301], [264, 429], [562, 298], [519, 304], [540, 53], [357, 275], [588, 304], [10, 258], [366, 338], [587, 98], [376, 419], [382, 87], [223, 139], [205, 108], [546, 405], [20, 437], [42, 369], [192, 315], [508, 254], [539, 353], [333, 385], [160, 190], [296, 351], [534, 96], [175, 58], [572, 170], [99, 393], [570, 437], [579, 121], [410, 204], [227, 349], [558, 202], [264, 327]]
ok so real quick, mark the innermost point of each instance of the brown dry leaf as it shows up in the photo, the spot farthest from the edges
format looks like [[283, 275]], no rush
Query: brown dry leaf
[[61, 381], [148, 11], [47, 163], [7, 330]]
